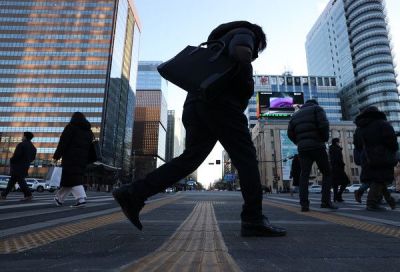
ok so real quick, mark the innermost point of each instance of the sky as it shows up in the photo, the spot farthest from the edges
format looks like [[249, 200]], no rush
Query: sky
[[170, 25]]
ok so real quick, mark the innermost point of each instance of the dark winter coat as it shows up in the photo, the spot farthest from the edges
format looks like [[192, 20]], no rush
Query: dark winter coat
[[73, 148], [309, 127], [339, 176], [240, 89], [295, 170], [24, 154], [373, 130]]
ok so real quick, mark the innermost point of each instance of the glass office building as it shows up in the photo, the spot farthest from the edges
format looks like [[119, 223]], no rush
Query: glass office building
[[323, 89], [151, 115], [59, 57], [350, 40]]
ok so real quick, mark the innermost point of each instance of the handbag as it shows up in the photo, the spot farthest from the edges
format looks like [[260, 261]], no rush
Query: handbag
[[95, 152], [200, 69], [54, 176]]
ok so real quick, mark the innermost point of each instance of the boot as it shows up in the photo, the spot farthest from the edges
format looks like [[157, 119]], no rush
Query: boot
[[130, 204], [261, 228], [357, 196]]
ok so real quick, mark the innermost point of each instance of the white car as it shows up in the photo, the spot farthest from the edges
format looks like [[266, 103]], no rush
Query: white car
[[4, 181], [352, 188], [315, 189], [36, 184]]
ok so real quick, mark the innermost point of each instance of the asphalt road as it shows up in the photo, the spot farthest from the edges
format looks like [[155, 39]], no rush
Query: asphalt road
[[194, 231]]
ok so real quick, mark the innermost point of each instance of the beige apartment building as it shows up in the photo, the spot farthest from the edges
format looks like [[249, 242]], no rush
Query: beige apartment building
[[274, 152]]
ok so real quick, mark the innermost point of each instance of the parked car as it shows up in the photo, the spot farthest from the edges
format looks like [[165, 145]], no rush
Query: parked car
[[4, 181], [36, 184], [352, 188], [50, 187], [315, 189], [169, 190], [392, 188]]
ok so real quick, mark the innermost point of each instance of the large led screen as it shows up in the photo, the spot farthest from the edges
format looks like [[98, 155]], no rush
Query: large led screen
[[278, 104]]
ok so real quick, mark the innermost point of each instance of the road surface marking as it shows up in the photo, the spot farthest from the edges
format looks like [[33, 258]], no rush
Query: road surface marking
[[42, 237], [341, 220], [197, 245]]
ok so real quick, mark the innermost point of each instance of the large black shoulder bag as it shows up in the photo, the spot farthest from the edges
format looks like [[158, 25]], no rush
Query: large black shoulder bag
[[95, 152], [200, 69]]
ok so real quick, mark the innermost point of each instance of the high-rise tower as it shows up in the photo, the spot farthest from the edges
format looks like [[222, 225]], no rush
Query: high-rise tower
[[59, 57], [350, 40]]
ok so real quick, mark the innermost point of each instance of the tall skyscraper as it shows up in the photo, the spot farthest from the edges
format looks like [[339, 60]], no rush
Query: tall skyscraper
[[169, 153], [323, 89], [59, 57], [149, 137], [350, 40]]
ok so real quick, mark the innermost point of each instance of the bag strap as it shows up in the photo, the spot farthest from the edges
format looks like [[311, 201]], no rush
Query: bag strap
[[217, 54]]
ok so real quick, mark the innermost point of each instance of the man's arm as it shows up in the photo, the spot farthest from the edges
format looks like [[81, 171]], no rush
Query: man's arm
[[323, 124]]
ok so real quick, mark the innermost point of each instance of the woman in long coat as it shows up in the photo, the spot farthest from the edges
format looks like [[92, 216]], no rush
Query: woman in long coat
[[375, 139], [73, 148], [339, 176]]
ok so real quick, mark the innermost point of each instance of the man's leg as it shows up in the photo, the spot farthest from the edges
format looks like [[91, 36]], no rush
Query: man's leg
[[24, 187], [199, 143], [321, 158], [305, 164], [10, 186], [335, 192], [235, 137], [374, 196], [79, 193]]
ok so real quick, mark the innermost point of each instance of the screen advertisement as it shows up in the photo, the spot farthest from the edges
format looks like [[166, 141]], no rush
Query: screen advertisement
[[280, 105]]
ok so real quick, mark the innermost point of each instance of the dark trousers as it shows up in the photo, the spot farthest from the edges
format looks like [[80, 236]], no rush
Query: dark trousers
[[338, 191], [22, 185], [377, 190], [205, 125], [307, 158]]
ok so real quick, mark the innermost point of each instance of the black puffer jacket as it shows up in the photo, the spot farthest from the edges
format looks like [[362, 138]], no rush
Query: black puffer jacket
[[309, 127], [24, 154], [373, 130], [73, 148], [241, 88]]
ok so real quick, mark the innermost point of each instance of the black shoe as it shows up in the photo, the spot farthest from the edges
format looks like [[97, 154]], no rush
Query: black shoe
[[328, 205], [392, 203], [305, 208], [78, 205], [375, 208], [129, 205], [261, 228], [357, 196], [58, 203]]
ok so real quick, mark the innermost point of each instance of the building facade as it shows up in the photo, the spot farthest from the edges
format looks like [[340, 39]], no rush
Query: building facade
[[59, 57], [350, 40], [323, 89], [151, 115], [275, 150], [169, 153]]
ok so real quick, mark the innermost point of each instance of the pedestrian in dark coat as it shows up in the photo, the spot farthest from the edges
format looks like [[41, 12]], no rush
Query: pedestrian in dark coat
[[295, 171], [23, 156], [376, 141], [73, 149], [208, 121], [339, 176], [309, 130]]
